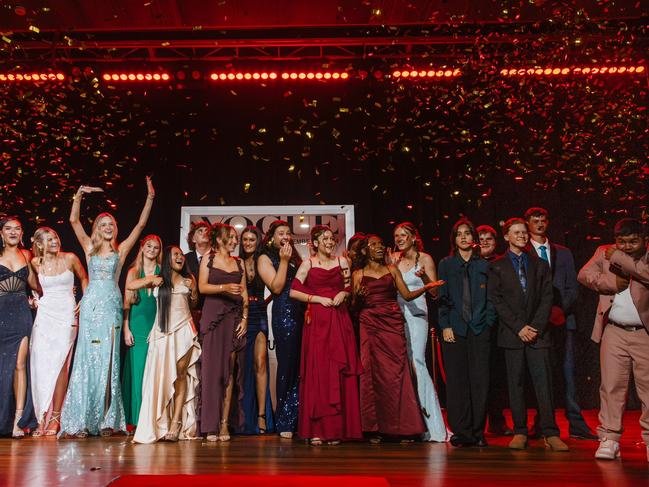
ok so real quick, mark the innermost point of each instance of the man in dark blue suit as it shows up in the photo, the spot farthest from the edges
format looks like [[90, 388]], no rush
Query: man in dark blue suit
[[562, 319]]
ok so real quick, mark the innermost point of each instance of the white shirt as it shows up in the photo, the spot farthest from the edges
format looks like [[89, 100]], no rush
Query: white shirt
[[623, 311], [537, 247]]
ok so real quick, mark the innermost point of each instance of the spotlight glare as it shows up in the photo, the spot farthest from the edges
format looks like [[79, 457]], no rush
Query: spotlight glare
[[301, 75], [285, 75], [310, 75], [293, 76], [264, 75], [247, 76], [448, 73], [639, 69], [230, 76], [165, 77], [396, 74], [255, 76], [123, 77], [156, 76], [335, 75], [318, 75], [106, 77], [148, 76], [139, 76], [272, 75], [413, 74], [565, 70], [327, 75], [131, 77], [344, 75]]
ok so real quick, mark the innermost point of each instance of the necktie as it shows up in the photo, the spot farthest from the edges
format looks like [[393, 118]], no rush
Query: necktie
[[521, 274], [466, 294], [544, 253]]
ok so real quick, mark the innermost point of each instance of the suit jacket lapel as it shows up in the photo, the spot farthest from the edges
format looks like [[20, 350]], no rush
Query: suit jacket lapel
[[513, 276], [553, 258]]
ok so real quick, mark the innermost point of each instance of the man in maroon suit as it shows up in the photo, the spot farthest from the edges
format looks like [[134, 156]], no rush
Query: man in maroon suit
[[620, 274]]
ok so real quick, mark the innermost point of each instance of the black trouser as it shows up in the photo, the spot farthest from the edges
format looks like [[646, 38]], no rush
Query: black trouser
[[498, 399], [537, 362], [467, 383]]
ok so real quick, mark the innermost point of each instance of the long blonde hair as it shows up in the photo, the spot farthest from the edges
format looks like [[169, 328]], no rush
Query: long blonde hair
[[95, 237], [39, 234], [137, 265]]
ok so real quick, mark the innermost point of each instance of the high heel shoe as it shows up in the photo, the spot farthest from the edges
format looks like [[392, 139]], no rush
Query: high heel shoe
[[18, 432], [56, 417], [226, 436], [173, 437], [263, 417]]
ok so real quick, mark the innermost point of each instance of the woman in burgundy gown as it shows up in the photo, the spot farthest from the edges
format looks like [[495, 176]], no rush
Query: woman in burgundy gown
[[389, 402], [329, 366], [223, 328]]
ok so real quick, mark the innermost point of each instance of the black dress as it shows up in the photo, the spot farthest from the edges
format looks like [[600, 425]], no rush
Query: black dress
[[15, 324]]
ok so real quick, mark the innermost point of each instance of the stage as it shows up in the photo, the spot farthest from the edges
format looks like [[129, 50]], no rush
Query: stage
[[96, 461]]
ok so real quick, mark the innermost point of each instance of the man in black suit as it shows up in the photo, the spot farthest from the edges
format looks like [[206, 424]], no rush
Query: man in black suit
[[562, 319], [520, 288], [198, 240]]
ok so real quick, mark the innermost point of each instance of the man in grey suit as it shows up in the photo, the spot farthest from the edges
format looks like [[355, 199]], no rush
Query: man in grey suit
[[562, 319]]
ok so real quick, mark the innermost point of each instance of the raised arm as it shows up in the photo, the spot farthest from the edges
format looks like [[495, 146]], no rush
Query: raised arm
[[637, 269], [403, 289], [592, 275], [275, 280], [81, 234], [126, 246]]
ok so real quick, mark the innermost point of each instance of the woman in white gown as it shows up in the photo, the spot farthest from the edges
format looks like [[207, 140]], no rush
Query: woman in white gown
[[169, 398], [418, 268], [55, 327]]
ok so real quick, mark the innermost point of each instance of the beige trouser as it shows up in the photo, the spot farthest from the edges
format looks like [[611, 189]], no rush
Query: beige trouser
[[622, 352]]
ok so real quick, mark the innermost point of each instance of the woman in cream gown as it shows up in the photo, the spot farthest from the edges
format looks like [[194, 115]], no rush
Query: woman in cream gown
[[170, 380]]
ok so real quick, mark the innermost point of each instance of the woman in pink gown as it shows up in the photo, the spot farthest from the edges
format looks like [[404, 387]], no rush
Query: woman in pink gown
[[329, 366], [389, 403]]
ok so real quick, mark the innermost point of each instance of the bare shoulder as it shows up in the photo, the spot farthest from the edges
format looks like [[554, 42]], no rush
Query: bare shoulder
[[426, 258], [27, 254]]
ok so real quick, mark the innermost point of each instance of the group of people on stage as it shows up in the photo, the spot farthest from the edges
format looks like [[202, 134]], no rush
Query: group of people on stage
[[350, 333]]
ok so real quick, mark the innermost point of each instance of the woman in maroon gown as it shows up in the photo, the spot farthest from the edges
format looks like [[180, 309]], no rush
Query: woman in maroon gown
[[329, 366], [223, 327], [389, 402]]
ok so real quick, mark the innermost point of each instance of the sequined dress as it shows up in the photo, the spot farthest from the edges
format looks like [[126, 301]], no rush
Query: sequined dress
[[94, 398], [287, 320], [416, 314], [15, 324]]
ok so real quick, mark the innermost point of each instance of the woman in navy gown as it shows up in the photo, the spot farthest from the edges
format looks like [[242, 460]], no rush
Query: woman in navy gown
[[277, 267], [257, 404]]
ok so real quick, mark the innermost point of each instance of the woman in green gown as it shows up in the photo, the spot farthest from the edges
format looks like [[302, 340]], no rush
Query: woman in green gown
[[139, 315]]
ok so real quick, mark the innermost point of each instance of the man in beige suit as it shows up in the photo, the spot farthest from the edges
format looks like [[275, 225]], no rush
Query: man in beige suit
[[620, 274]]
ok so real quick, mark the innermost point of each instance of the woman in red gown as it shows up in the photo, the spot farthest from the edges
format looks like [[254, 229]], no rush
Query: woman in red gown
[[329, 366], [389, 404]]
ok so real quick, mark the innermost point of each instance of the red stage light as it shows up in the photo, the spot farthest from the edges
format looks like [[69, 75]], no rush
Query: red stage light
[[503, 72], [106, 77], [131, 77], [293, 76], [255, 76], [3, 77], [272, 75], [148, 76], [612, 70], [335, 75], [123, 77], [239, 76], [639, 69], [327, 75], [413, 74], [318, 76], [423, 73], [284, 75], [396, 74], [310, 75], [264, 75], [302, 75], [139, 76], [230, 76], [344, 75], [448, 73], [247, 76]]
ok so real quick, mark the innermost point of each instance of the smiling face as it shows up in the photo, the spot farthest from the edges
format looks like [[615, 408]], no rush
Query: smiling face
[[151, 249], [106, 228], [463, 237], [249, 242], [375, 249], [12, 232], [232, 241], [517, 237], [487, 244], [325, 244], [50, 243], [177, 259], [403, 239], [282, 236]]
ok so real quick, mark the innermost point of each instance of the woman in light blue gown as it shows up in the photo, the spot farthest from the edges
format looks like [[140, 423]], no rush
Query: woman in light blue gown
[[93, 403], [417, 268]]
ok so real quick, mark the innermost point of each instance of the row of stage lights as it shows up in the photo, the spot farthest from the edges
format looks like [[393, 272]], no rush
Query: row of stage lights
[[428, 73]]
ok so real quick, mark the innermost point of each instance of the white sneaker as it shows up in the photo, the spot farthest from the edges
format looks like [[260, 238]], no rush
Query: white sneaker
[[608, 450]]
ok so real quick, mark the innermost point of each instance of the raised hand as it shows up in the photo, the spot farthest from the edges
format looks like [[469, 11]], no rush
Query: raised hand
[[89, 189], [149, 187], [285, 252], [392, 258]]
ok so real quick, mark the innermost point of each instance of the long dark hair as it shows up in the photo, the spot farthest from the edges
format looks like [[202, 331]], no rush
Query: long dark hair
[[363, 257], [474, 234], [164, 291], [255, 254], [270, 249], [4, 219]]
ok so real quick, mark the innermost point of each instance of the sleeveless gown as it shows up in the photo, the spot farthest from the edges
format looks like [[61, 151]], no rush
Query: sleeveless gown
[[287, 320], [388, 399], [415, 313], [257, 323], [219, 319], [53, 335], [141, 318], [164, 352], [94, 398], [15, 324], [329, 406]]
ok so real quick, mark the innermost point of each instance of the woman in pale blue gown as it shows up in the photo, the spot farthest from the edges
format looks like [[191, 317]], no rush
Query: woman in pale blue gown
[[417, 268], [93, 403]]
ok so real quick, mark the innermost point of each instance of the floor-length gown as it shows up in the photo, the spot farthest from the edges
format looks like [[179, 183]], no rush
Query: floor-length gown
[[287, 320], [164, 352], [94, 399], [388, 399], [15, 324], [329, 406], [53, 337], [141, 318], [220, 317], [415, 313], [257, 323]]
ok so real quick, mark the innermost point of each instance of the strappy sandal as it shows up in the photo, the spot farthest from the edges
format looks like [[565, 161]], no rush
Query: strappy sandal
[[224, 437], [56, 416], [81, 434], [173, 437], [261, 430], [106, 432], [18, 432]]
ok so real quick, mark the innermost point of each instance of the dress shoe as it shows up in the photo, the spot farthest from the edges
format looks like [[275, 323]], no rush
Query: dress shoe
[[461, 441], [555, 443], [481, 443], [609, 450], [583, 434], [519, 442]]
